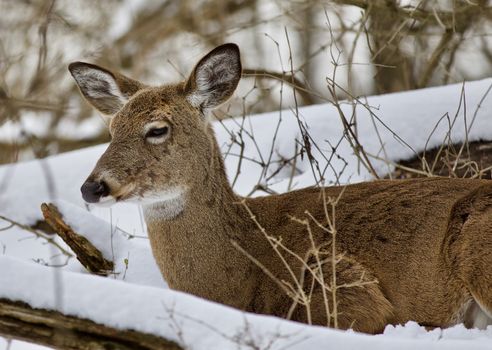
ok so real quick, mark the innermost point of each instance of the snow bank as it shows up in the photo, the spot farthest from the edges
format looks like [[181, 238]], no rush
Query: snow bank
[[193, 322]]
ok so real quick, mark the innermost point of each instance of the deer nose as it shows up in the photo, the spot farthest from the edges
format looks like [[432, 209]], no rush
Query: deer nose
[[92, 191]]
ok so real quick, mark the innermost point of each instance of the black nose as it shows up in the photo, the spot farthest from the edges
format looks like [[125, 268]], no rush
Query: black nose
[[92, 191]]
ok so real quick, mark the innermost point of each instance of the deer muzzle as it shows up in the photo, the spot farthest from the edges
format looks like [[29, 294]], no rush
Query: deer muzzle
[[93, 191]]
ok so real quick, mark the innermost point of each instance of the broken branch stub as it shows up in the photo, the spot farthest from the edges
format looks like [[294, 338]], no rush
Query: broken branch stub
[[88, 255]]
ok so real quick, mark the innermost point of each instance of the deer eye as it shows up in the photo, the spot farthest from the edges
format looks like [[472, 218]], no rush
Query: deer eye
[[157, 132]]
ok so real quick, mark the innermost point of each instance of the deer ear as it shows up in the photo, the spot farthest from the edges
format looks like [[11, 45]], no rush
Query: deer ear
[[103, 89], [214, 78]]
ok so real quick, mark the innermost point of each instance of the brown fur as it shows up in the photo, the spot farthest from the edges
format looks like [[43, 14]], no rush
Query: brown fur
[[428, 242]]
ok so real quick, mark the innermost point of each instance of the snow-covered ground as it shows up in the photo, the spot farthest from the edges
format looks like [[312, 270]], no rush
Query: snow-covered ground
[[135, 296]]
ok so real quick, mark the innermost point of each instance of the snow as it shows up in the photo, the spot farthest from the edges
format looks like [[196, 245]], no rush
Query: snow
[[19, 345], [193, 322], [135, 296], [412, 330], [411, 115]]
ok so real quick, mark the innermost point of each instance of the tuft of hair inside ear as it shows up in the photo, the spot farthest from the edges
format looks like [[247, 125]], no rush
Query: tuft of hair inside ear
[[99, 87], [215, 78], [97, 84]]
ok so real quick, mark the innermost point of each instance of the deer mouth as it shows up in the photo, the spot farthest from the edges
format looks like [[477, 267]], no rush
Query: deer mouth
[[124, 193], [106, 201]]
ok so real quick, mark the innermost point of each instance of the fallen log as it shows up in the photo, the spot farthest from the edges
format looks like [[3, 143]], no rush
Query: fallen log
[[51, 328], [469, 160]]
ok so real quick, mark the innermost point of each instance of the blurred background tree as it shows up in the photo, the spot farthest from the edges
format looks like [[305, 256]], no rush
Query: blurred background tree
[[367, 46]]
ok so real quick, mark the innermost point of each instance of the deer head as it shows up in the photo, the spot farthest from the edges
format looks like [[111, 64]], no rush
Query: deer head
[[162, 144]]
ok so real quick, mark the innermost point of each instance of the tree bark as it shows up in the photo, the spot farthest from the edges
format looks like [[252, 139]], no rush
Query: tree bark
[[51, 328], [393, 68]]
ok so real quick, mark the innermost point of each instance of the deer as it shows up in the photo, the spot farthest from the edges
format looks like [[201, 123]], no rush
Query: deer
[[421, 248]]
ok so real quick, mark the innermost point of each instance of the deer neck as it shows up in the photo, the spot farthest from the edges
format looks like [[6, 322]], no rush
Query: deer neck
[[192, 244]]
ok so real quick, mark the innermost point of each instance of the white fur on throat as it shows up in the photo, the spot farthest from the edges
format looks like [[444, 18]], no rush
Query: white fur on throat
[[164, 205]]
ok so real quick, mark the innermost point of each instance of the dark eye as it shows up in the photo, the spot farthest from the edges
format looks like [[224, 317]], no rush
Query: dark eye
[[157, 132]]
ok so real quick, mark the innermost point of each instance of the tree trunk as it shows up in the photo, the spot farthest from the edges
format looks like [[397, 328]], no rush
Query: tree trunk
[[394, 70]]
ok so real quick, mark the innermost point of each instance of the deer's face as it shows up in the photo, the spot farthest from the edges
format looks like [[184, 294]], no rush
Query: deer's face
[[161, 139], [150, 156]]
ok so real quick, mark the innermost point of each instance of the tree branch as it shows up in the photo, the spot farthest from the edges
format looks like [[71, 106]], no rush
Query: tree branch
[[451, 19], [290, 80], [88, 255]]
